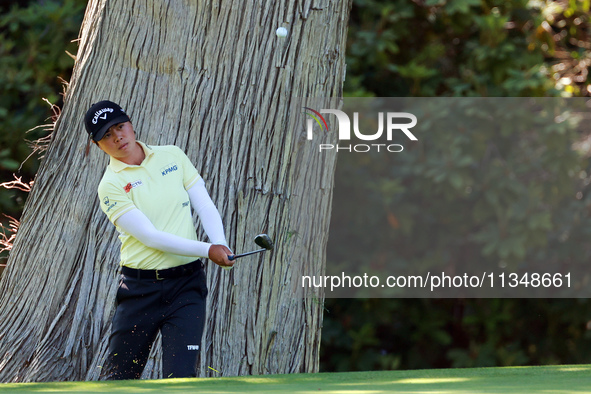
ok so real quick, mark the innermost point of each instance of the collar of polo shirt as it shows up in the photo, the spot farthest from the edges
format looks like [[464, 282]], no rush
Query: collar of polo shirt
[[118, 165]]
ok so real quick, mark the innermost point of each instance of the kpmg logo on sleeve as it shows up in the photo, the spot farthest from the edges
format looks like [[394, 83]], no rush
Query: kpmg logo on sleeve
[[396, 122]]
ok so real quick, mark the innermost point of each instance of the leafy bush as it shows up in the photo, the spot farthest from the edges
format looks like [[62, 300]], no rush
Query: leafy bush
[[34, 64], [517, 197]]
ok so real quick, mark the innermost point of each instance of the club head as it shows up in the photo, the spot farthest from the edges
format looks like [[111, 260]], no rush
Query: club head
[[264, 241]]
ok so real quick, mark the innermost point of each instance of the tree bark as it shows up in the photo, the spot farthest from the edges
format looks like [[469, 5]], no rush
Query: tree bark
[[212, 78]]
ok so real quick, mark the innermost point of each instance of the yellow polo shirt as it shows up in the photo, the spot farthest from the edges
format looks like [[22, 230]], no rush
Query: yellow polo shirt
[[157, 187]]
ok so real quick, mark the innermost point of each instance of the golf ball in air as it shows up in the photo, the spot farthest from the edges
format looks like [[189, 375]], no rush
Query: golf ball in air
[[281, 32]]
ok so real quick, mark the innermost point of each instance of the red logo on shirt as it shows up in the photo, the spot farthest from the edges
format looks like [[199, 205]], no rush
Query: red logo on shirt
[[132, 185]]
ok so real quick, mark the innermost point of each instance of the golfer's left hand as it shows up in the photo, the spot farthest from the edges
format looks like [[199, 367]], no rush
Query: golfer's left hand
[[219, 255]]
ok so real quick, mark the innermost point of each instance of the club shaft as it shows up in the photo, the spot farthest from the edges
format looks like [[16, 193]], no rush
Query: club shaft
[[246, 254]]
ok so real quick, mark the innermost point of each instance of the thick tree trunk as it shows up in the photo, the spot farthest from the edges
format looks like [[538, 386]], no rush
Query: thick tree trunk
[[212, 78]]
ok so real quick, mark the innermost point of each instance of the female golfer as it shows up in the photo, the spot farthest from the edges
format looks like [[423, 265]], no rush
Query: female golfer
[[147, 192]]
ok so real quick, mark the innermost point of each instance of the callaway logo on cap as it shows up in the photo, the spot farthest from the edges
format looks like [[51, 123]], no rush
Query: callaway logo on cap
[[101, 116]]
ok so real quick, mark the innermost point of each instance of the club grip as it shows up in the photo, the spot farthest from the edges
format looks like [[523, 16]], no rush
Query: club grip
[[231, 257]]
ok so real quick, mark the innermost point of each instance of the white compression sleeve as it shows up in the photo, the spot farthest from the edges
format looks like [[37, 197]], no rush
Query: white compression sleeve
[[136, 224], [208, 213]]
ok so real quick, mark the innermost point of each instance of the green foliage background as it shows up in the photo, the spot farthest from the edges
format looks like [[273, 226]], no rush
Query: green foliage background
[[474, 195], [531, 206], [33, 64]]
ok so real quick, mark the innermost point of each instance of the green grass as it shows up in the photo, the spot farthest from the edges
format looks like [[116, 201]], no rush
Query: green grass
[[564, 379]]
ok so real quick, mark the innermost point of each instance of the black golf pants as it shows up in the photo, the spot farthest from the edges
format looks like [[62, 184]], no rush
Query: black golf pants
[[176, 307]]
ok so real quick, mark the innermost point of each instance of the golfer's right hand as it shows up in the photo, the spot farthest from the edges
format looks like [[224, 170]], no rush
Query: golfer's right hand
[[219, 255]]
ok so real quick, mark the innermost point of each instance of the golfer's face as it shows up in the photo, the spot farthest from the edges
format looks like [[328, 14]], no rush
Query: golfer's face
[[118, 140]]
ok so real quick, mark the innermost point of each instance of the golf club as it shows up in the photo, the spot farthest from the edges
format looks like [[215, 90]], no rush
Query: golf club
[[263, 240]]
